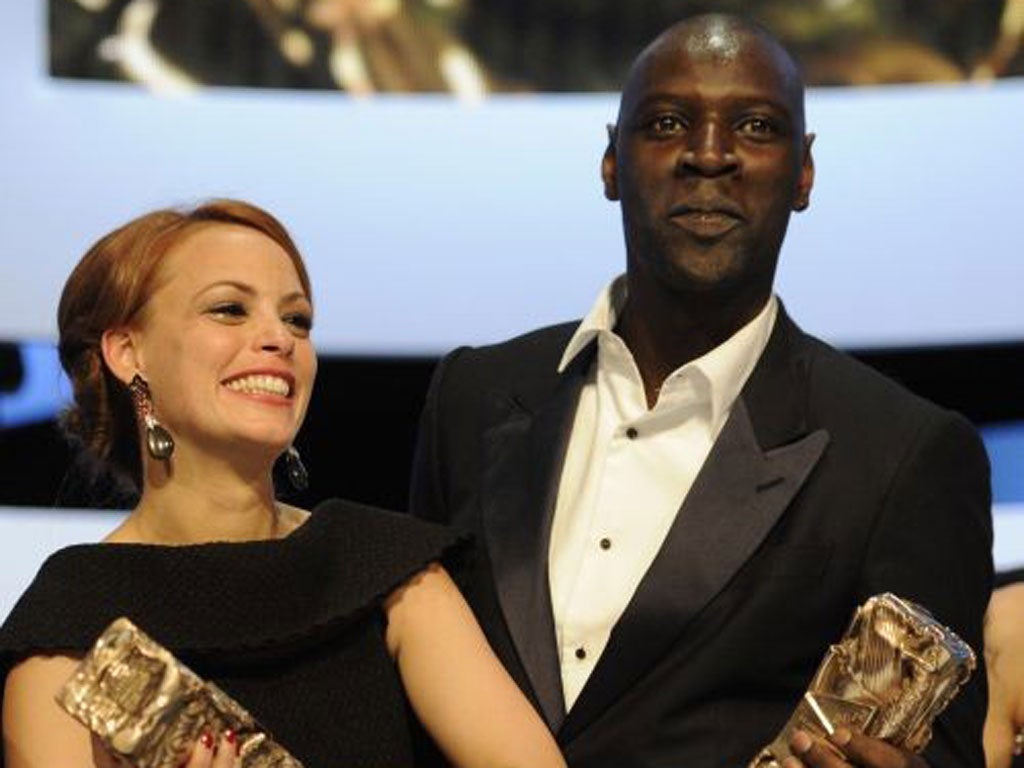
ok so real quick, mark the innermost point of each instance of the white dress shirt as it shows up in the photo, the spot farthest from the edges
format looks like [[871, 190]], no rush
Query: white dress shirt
[[627, 471]]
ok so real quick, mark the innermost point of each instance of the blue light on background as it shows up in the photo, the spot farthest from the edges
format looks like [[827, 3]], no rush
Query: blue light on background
[[1005, 444], [45, 390]]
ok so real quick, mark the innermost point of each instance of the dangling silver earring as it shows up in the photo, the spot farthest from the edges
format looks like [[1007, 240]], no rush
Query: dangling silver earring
[[159, 442], [298, 476]]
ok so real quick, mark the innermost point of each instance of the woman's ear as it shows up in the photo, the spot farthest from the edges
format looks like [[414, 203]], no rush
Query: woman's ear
[[120, 353]]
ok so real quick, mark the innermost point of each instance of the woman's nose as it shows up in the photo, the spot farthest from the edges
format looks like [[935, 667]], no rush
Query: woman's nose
[[274, 335]]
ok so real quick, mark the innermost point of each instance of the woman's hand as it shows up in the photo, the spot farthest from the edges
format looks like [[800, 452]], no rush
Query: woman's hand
[[215, 752], [208, 752], [39, 734]]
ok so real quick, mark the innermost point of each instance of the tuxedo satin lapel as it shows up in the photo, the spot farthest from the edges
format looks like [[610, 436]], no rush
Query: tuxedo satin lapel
[[737, 497], [524, 457]]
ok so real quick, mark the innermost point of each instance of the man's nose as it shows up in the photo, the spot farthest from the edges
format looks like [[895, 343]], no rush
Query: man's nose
[[709, 150]]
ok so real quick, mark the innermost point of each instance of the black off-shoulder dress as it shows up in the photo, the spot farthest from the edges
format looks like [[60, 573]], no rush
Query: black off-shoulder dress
[[292, 628]]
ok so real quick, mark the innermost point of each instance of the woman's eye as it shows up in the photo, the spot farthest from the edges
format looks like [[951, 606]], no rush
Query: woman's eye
[[300, 320], [229, 310]]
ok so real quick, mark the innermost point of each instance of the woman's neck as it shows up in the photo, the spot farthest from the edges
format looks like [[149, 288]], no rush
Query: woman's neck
[[199, 501], [183, 516]]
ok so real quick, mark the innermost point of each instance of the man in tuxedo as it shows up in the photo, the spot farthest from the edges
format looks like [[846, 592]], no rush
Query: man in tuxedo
[[679, 501]]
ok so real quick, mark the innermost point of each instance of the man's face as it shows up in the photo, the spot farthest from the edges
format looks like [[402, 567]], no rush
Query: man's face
[[709, 159]]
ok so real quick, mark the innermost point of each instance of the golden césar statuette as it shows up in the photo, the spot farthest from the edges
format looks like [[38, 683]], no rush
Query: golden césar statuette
[[149, 708], [891, 674]]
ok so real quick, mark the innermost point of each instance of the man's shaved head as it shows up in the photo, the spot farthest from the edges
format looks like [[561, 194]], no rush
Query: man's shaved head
[[719, 37]]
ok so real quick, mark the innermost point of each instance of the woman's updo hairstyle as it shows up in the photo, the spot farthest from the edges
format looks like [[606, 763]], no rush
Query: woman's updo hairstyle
[[108, 289]]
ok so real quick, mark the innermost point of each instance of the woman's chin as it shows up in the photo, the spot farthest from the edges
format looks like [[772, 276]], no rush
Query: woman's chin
[[251, 448]]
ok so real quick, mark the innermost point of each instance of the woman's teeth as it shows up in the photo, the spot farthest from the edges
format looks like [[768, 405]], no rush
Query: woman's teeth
[[260, 385]]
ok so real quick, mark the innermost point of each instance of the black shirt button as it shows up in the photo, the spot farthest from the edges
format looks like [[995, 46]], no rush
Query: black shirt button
[[606, 543], [631, 433], [581, 653]]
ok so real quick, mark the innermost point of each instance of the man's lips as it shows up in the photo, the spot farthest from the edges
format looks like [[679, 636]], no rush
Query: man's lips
[[707, 221]]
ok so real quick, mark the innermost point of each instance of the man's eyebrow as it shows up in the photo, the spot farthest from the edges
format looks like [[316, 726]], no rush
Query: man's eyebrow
[[660, 100], [764, 101], [661, 97], [640, 109]]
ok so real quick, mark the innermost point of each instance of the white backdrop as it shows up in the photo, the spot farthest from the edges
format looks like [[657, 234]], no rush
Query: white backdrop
[[429, 223]]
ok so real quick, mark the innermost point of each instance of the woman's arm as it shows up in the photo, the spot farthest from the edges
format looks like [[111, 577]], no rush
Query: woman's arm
[[39, 734], [1004, 654], [458, 688]]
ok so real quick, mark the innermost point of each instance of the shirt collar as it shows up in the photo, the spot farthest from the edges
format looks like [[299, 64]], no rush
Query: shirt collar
[[726, 367], [729, 365], [601, 317]]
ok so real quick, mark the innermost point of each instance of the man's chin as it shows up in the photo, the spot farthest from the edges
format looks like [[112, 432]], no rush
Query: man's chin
[[702, 277]]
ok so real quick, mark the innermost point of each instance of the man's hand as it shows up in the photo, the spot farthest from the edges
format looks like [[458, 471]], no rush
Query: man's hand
[[859, 750]]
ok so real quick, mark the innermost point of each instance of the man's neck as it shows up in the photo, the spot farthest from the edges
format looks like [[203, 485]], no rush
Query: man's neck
[[665, 331]]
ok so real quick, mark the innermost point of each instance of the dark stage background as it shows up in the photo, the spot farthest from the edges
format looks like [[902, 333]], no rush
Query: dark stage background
[[359, 436]]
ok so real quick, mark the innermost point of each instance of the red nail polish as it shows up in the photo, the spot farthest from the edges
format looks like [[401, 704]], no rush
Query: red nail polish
[[206, 739], [232, 738]]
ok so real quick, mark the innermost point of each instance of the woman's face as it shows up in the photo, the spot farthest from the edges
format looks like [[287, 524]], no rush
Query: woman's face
[[224, 342]]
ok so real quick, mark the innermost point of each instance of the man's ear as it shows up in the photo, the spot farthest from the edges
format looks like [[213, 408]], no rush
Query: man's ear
[[806, 180], [121, 353], [609, 166]]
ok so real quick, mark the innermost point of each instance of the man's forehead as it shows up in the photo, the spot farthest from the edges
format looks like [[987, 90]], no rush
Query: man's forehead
[[714, 39], [729, 46], [725, 48]]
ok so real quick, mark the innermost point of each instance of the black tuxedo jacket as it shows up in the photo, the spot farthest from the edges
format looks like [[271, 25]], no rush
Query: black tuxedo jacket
[[828, 484]]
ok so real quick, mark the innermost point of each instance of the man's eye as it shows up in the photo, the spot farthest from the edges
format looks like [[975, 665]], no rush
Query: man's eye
[[666, 125], [758, 126], [228, 310]]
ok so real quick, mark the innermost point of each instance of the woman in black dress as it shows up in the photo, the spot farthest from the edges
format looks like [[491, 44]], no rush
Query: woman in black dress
[[186, 336]]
